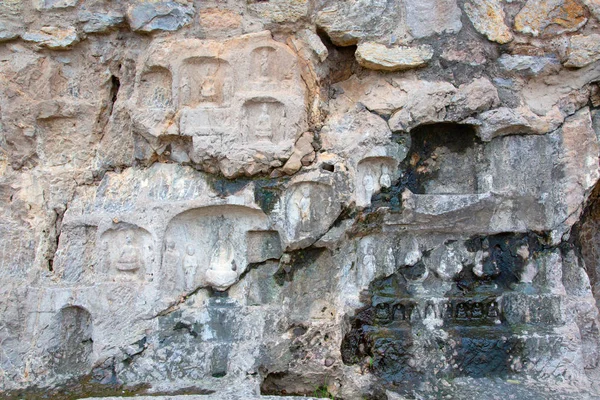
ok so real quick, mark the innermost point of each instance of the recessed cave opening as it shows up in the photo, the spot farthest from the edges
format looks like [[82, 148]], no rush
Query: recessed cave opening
[[587, 236], [444, 158], [72, 354]]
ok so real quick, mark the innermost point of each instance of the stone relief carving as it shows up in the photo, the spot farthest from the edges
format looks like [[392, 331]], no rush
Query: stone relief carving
[[309, 206], [264, 121], [373, 174], [199, 247], [155, 88], [125, 252], [227, 111], [204, 82]]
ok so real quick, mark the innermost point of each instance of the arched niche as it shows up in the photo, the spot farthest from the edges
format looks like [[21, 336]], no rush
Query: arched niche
[[373, 174], [264, 120], [71, 350], [208, 246], [204, 81], [125, 252], [155, 88]]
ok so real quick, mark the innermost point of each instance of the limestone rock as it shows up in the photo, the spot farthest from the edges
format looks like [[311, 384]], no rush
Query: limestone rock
[[347, 23], [9, 31], [281, 10], [429, 17], [550, 17], [379, 57], [488, 18], [159, 16], [100, 22], [593, 6], [583, 50], [54, 4], [530, 65], [52, 37]]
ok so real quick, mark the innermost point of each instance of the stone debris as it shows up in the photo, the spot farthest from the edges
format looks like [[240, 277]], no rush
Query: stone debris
[[382, 58]]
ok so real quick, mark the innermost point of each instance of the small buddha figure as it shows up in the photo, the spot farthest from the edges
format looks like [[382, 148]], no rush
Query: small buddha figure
[[368, 266], [369, 186], [385, 181], [477, 311], [264, 128], [222, 270], [208, 89], [129, 259], [492, 312], [383, 313], [190, 265], [461, 312]]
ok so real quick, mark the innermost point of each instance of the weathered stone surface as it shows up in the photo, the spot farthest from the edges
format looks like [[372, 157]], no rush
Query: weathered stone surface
[[530, 65], [347, 23], [379, 57], [234, 213], [430, 17], [488, 18], [54, 4], [550, 17], [159, 16], [100, 22], [583, 50], [52, 37]]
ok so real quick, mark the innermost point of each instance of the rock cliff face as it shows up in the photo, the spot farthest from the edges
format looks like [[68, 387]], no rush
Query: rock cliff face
[[359, 199]]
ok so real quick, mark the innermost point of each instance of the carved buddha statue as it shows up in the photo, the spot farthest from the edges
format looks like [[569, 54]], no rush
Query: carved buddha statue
[[368, 186], [264, 128], [222, 270], [129, 259]]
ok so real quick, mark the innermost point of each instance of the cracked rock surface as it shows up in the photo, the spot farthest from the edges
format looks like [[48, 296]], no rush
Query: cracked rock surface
[[368, 199]]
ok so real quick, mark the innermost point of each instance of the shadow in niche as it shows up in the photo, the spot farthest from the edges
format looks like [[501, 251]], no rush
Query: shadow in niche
[[586, 235], [72, 354], [443, 158]]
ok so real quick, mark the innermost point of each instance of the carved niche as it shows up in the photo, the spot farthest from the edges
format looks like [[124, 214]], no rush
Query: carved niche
[[155, 88], [207, 247], [204, 81], [125, 252], [373, 174], [264, 121]]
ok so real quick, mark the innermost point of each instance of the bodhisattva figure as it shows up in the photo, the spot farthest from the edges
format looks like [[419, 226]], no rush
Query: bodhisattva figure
[[304, 210], [385, 181], [264, 64], [369, 186], [368, 266], [222, 270], [190, 266], [264, 128], [129, 259], [174, 278], [390, 262]]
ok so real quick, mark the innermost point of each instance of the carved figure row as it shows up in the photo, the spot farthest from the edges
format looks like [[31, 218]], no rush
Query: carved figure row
[[455, 311]]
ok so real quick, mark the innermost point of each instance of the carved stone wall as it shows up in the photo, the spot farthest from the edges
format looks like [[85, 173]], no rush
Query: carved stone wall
[[367, 199]]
